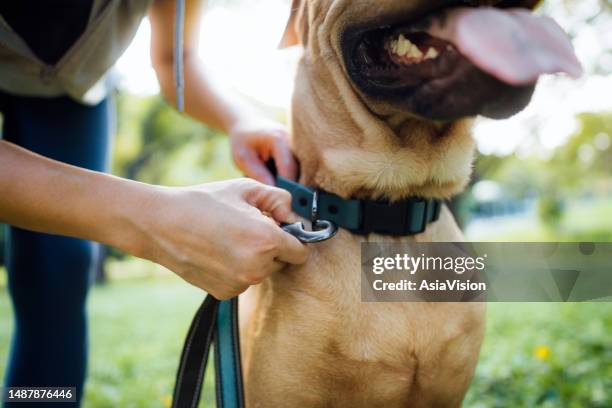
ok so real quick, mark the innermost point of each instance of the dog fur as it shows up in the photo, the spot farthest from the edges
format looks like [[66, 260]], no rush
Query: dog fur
[[308, 340]]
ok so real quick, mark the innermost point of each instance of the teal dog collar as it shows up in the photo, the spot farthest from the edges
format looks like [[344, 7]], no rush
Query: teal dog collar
[[400, 218]]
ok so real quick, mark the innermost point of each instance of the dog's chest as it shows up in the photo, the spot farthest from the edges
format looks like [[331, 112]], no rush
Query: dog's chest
[[340, 351], [326, 294]]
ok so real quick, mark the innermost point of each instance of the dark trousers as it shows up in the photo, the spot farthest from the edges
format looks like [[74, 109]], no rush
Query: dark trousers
[[49, 276]]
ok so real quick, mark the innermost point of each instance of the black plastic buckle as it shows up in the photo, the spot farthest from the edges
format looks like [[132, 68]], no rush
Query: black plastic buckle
[[409, 217], [383, 218]]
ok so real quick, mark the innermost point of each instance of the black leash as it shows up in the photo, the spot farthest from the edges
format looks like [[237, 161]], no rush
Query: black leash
[[215, 323]]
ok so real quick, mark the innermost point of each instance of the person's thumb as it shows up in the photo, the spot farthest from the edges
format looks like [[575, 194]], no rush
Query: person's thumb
[[271, 200]]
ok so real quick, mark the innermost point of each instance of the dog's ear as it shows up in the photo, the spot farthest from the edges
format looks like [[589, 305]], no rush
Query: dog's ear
[[295, 31]]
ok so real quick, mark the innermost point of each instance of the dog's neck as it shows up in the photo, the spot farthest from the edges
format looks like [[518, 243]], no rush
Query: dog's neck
[[350, 162], [345, 148]]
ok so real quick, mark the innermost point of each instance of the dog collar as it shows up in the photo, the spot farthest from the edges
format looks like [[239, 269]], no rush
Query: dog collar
[[401, 218]]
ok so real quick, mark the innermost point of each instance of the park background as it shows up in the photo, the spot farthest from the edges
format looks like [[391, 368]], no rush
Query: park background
[[543, 175]]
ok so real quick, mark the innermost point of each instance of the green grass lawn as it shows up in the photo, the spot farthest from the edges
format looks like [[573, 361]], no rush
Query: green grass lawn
[[545, 354], [137, 329], [550, 355]]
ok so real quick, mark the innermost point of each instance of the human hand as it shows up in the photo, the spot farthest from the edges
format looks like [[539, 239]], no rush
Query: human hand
[[216, 236], [254, 141]]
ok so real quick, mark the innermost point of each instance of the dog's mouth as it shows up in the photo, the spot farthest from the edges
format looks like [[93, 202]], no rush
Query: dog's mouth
[[457, 62]]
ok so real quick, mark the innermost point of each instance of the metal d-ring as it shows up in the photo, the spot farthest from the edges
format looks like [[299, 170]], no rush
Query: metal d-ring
[[322, 230], [314, 209]]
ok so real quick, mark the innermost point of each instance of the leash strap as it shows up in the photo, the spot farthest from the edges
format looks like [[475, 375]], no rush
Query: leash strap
[[230, 390], [214, 323], [402, 218]]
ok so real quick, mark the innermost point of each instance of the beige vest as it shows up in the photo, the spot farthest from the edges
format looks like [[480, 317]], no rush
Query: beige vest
[[82, 72]]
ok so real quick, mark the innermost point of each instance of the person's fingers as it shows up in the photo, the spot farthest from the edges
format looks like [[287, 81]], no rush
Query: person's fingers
[[226, 294], [222, 285], [271, 200], [290, 249], [265, 269], [251, 164], [283, 158]]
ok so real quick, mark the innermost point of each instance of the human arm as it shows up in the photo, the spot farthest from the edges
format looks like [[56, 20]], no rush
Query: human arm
[[213, 236], [254, 140]]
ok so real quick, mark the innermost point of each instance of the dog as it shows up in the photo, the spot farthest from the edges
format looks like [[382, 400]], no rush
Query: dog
[[384, 100]]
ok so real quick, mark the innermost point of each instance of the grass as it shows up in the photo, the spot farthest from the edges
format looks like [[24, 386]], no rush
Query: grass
[[545, 355], [549, 355], [137, 327], [137, 331]]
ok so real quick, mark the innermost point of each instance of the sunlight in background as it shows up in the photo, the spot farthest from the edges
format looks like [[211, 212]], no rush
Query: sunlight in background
[[238, 45]]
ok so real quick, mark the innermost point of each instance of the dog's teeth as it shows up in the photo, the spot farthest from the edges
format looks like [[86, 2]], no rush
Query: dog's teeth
[[432, 53], [409, 52], [415, 52], [393, 46], [403, 46]]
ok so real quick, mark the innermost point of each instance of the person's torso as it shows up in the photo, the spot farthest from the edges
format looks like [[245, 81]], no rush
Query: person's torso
[[64, 47], [49, 28]]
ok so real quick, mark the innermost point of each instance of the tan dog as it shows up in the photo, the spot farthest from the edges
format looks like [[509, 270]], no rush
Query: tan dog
[[373, 118]]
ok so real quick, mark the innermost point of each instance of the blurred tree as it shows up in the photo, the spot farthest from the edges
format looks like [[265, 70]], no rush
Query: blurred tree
[[550, 210], [155, 144], [580, 167], [144, 138], [587, 157]]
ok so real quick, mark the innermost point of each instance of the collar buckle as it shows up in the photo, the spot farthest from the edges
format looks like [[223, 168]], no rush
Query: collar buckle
[[407, 217], [403, 218]]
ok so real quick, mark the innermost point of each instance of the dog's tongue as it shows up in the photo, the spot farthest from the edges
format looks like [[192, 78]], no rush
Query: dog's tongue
[[512, 45]]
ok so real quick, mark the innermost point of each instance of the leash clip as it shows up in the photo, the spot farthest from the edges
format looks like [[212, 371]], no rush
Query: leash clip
[[314, 210], [322, 230]]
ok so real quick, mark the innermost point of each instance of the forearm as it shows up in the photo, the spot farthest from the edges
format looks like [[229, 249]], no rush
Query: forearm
[[178, 228], [203, 100], [43, 195]]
